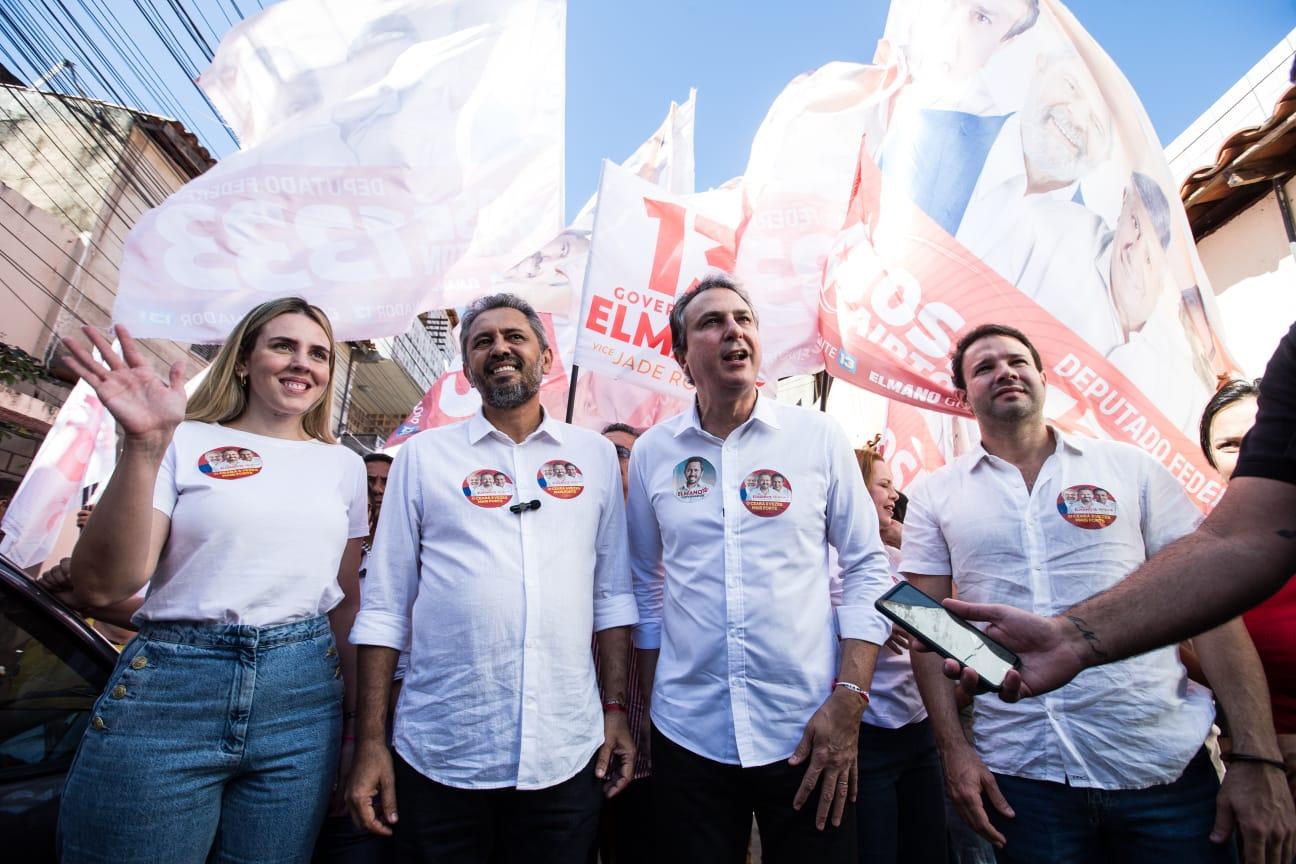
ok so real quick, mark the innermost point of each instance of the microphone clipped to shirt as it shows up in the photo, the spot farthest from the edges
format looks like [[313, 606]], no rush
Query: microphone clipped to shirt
[[533, 504]]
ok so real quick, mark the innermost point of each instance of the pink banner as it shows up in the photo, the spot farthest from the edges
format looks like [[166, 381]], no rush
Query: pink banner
[[898, 288]]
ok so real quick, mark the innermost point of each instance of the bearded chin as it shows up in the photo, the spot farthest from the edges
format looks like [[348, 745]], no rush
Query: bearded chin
[[512, 395]]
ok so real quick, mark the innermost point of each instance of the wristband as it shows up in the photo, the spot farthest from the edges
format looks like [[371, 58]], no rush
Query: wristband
[[1262, 760], [854, 688], [614, 706]]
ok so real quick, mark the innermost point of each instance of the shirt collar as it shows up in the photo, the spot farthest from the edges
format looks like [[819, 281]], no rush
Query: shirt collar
[[765, 412], [1064, 441], [479, 427]]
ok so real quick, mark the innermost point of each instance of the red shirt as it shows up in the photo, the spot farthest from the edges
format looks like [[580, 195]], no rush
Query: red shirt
[[1272, 626]]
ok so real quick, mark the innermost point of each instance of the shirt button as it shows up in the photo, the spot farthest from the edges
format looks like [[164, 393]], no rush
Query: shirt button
[[119, 691], [98, 723], [139, 662]]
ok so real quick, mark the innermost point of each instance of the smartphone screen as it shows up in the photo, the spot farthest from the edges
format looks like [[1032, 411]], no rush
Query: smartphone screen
[[927, 619]]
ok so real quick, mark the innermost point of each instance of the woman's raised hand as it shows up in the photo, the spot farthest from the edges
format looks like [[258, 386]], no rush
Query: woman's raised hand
[[147, 407]]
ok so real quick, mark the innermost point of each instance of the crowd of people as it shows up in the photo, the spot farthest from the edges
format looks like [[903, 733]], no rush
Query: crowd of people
[[372, 660]]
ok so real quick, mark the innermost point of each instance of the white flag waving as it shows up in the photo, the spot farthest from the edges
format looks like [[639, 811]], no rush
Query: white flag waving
[[398, 152]]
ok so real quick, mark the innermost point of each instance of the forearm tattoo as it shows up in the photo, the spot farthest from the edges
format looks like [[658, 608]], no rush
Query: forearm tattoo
[[1089, 636]]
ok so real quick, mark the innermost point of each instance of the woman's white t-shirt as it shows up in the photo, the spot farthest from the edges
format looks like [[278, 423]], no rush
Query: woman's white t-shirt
[[258, 527]]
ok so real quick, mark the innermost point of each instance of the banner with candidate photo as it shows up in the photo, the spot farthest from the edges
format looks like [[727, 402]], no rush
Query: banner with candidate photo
[[1008, 173], [398, 154]]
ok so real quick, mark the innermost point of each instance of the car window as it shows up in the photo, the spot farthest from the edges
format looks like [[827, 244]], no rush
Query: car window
[[49, 681]]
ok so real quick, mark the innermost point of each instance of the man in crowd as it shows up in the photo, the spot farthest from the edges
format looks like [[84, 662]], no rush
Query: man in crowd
[[1250, 535], [755, 704], [377, 467], [626, 833], [503, 751], [1113, 767]]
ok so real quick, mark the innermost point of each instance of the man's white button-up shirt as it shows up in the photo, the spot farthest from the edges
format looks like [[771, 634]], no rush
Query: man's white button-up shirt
[[497, 607], [732, 582], [1098, 510]]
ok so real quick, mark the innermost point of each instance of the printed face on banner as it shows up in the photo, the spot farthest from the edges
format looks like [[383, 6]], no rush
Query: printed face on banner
[[1034, 194]]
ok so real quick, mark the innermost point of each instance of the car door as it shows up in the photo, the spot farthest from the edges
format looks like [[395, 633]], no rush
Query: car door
[[53, 667]]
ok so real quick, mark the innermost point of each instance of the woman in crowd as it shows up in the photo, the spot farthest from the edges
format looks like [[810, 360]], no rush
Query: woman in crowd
[[218, 736], [1228, 416], [901, 806]]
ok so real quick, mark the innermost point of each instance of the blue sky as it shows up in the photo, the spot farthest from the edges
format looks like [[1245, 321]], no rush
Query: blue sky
[[627, 60]]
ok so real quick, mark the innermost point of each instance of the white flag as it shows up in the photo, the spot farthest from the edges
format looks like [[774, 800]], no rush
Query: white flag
[[79, 450], [397, 154]]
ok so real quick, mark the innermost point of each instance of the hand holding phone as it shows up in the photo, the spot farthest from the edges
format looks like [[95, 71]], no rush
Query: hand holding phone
[[947, 634]]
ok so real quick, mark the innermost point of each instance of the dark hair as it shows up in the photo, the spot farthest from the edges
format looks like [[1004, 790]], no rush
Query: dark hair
[[377, 457], [1157, 206], [679, 338], [982, 331], [1234, 390], [499, 301], [622, 427], [1026, 22]]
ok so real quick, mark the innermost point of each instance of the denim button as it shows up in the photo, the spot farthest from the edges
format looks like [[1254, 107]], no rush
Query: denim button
[[98, 723], [139, 662], [119, 691], [331, 651]]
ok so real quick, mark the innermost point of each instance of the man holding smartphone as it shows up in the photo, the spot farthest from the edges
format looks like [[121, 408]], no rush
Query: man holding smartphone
[[756, 703], [1111, 767]]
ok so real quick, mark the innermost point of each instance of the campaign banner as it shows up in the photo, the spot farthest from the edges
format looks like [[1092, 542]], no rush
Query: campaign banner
[[79, 450], [649, 247], [898, 290], [801, 164], [398, 155], [1008, 173]]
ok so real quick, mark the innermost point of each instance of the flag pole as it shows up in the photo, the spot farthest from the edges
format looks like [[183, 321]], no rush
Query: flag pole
[[571, 392]]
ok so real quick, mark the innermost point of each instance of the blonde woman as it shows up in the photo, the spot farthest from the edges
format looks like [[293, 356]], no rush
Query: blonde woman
[[900, 811], [219, 733]]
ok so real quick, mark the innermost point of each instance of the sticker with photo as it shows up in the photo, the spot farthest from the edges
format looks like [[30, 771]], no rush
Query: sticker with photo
[[230, 463], [561, 479], [487, 487], [693, 479], [1087, 506], [766, 492]]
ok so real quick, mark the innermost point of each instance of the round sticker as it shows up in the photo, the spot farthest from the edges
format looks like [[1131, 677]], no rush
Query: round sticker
[[766, 492], [230, 463], [561, 479], [693, 478], [487, 487], [1087, 506]]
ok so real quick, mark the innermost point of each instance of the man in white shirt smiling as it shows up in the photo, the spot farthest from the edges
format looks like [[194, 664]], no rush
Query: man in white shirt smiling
[[502, 750], [1112, 766], [755, 703]]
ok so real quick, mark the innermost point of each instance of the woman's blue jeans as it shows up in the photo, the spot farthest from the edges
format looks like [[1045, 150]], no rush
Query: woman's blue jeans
[[211, 743]]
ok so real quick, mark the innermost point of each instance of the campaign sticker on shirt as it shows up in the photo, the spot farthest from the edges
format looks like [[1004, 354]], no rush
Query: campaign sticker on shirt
[[561, 479], [487, 487], [693, 478], [230, 463], [1087, 506], [766, 492]]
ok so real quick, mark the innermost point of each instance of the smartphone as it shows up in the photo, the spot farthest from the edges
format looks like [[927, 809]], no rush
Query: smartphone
[[947, 634]]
